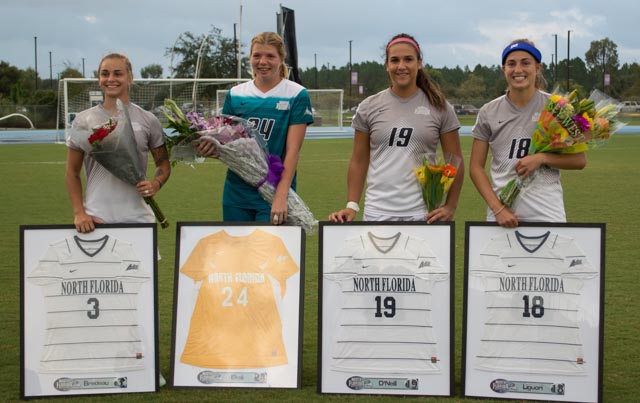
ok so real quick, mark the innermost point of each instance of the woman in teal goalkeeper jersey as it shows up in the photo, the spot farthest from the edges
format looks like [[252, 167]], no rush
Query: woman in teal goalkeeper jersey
[[281, 110]]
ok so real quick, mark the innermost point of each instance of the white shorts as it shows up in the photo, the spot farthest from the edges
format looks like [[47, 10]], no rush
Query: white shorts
[[371, 217]]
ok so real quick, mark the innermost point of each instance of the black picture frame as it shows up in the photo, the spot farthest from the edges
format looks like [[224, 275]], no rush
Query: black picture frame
[[534, 311], [238, 322], [386, 308], [88, 314]]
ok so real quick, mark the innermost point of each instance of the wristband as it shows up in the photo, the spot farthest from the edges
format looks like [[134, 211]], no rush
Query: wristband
[[353, 206], [159, 182], [495, 214]]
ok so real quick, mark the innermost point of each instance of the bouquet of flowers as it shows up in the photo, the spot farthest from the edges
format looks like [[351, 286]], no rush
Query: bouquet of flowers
[[567, 126], [113, 145], [436, 175], [186, 127], [243, 151]]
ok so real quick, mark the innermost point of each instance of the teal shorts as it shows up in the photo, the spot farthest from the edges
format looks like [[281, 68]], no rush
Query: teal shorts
[[236, 214]]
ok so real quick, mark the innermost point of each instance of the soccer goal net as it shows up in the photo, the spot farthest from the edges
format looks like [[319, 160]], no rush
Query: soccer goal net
[[78, 94], [203, 95], [326, 104]]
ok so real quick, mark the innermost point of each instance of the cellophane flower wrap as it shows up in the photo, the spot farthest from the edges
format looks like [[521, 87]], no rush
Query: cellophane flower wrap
[[568, 125], [435, 176], [186, 127], [244, 152], [113, 145]]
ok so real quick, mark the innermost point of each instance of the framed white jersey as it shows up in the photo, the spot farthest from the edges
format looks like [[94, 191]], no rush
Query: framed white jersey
[[530, 305], [94, 293], [382, 289]]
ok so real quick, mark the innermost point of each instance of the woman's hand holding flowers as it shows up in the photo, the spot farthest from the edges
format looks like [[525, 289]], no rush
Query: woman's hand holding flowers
[[207, 149]]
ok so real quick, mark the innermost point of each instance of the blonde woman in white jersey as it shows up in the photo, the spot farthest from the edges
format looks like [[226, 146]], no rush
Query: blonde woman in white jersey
[[107, 199], [505, 126], [393, 130]]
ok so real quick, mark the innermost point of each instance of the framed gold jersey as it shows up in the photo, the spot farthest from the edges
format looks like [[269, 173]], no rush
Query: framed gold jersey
[[238, 297], [90, 298]]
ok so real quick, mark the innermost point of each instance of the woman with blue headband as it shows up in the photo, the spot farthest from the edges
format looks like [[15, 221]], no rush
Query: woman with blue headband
[[505, 126]]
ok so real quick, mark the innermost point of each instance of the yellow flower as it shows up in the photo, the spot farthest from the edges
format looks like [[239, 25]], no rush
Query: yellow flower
[[589, 119], [420, 173], [446, 181]]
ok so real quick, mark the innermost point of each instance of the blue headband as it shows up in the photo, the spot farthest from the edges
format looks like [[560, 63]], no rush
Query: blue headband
[[524, 47]]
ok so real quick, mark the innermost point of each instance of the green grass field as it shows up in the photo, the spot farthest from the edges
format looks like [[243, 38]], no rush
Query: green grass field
[[33, 192]]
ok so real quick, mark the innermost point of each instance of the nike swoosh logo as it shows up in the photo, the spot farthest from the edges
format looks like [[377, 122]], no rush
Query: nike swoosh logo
[[72, 271], [510, 265]]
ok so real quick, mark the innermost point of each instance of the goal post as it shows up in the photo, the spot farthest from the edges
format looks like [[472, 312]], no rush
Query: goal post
[[327, 107], [203, 95], [78, 94]]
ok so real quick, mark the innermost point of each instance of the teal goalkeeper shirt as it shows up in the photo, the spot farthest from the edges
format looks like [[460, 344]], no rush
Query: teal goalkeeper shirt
[[272, 113]]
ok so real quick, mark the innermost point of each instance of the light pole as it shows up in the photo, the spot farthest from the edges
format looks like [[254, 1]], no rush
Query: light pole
[[315, 64], [35, 44], [555, 64], [50, 72], [197, 72], [235, 42], [552, 62], [83, 76], [350, 67], [239, 49], [568, 60], [604, 69], [173, 50], [171, 70]]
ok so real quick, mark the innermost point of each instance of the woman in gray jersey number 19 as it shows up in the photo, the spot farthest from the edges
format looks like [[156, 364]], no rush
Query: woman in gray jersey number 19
[[394, 129]]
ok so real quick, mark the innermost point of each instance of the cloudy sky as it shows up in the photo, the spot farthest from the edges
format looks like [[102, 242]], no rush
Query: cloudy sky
[[451, 32]]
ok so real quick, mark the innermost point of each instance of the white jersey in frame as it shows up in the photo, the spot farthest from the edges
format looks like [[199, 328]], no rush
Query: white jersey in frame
[[90, 292], [385, 306], [532, 288]]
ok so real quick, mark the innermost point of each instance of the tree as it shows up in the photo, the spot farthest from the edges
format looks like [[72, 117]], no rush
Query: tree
[[18, 94], [472, 88], [9, 75], [218, 59], [151, 71], [626, 83], [602, 56], [70, 72], [601, 59]]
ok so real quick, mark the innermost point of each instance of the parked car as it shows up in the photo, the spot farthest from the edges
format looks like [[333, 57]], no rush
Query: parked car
[[465, 109], [630, 106]]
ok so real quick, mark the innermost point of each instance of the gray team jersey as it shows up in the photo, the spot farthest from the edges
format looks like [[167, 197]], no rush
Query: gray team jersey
[[400, 132], [508, 130], [106, 196]]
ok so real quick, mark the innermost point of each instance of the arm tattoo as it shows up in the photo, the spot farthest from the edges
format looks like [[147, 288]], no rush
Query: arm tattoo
[[160, 154]]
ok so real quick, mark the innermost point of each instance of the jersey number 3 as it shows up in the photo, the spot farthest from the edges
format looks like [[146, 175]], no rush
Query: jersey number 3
[[95, 305]]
